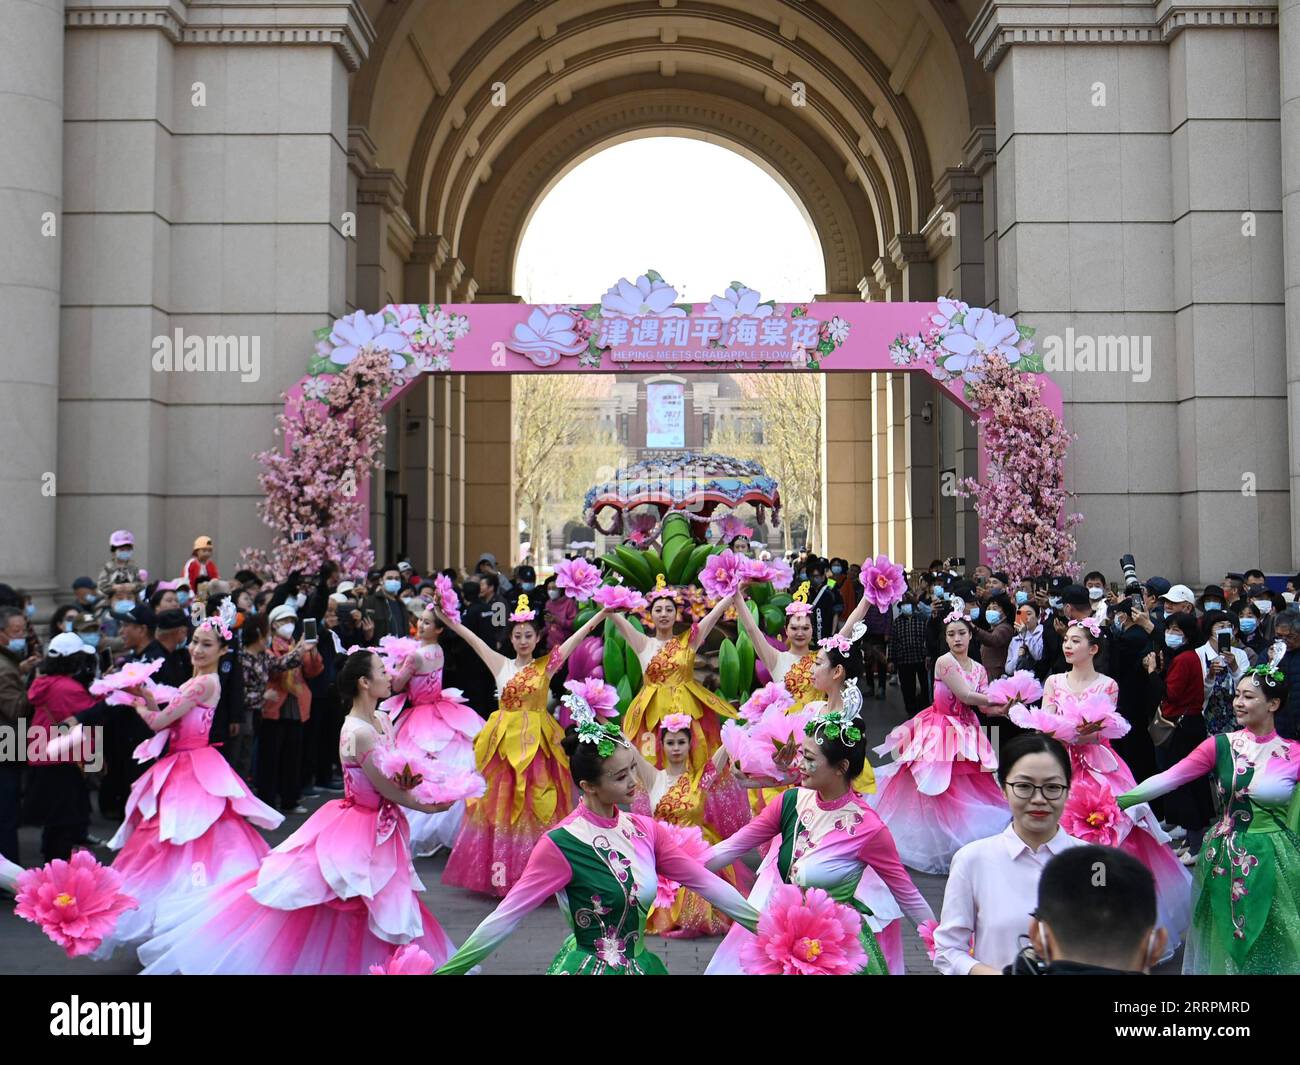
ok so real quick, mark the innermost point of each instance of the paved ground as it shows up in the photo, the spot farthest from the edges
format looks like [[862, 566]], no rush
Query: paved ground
[[24, 949]]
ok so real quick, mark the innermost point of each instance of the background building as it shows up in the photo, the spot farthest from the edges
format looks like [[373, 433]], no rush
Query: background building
[[1121, 170]]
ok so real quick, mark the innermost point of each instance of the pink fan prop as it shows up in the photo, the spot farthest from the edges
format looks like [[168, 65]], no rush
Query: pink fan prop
[[722, 573], [1096, 709], [1092, 814], [76, 903], [691, 842], [409, 960], [618, 597], [577, 578], [883, 582], [800, 935], [448, 600], [112, 687], [1021, 687], [777, 573]]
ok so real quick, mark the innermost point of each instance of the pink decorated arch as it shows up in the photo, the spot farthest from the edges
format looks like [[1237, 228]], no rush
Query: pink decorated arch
[[636, 326]]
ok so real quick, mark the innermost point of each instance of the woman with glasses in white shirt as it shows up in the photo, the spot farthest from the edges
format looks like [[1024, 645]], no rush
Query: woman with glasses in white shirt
[[993, 882]]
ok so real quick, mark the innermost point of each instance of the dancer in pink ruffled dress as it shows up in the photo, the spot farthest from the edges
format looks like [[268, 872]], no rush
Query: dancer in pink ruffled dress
[[939, 793], [1099, 773], [439, 722], [187, 828], [337, 896]]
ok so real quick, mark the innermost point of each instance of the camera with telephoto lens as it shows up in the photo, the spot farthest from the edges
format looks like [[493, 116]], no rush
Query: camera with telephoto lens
[[1131, 584]]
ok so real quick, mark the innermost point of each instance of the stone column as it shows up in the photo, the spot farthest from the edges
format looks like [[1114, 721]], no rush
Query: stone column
[[31, 231], [1289, 66], [489, 466]]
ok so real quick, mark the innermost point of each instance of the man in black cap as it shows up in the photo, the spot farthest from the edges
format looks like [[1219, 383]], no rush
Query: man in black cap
[[87, 595], [171, 634]]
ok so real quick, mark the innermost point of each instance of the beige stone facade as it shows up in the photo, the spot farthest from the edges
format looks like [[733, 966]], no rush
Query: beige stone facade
[[1127, 171]]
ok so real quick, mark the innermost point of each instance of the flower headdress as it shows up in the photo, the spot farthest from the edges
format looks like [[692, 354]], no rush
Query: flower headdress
[[1090, 623], [841, 642], [591, 729], [222, 620], [676, 723], [799, 602], [661, 589], [956, 615], [1270, 671], [839, 724], [522, 613]]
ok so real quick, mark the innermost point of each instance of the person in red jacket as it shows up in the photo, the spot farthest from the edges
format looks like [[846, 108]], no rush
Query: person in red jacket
[[57, 798], [1178, 685], [200, 568]]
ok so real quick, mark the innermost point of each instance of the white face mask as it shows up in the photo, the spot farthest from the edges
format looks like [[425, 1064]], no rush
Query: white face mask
[[285, 630], [1263, 605], [1095, 593]]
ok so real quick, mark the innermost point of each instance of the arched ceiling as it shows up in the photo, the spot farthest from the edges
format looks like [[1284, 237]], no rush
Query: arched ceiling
[[891, 91]]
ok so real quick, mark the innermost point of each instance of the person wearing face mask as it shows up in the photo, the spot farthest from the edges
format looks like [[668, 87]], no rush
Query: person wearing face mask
[[561, 614], [1096, 915], [1211, 599], [907, 651], [825, 601], [1179, 691], [526, 579], [843, 580], [285, 706], [386, 608], [1025, 651], [1129, 643], [16, 665], [1220, 671], [1250, 624], [200, 567], [119, 569], [88, 597], [1095, 583], [995, 641]]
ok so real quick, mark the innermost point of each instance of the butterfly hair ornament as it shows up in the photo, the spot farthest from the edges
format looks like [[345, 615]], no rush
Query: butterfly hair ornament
[[842, 643], [222, 621], [591, 729], [799, 606], [522, 613], [839, 724]]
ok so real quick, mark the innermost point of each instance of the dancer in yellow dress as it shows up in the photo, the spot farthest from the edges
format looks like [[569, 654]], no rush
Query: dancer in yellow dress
[[793, 669], [709, 800], [518, 753], [668, 680]]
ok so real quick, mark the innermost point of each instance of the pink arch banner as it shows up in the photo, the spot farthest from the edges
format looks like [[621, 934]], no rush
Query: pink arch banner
[[640, 326]]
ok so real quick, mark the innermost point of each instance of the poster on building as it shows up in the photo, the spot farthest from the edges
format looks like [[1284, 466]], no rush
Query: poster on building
[[665, 423]]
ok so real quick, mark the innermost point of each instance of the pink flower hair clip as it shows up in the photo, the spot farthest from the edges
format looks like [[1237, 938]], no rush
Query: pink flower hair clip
[[799, 605], [221, 621], [522, 613], [661, 589], [956, 615], [1089, 623], [676, 723]]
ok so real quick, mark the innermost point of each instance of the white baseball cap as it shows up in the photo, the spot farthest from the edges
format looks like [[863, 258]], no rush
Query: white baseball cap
[[284, 610], [346, 586], [68, 643], [1180, 593]]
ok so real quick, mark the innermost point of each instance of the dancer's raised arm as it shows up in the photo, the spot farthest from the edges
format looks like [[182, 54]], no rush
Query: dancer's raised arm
[[710, 619], [767, 654], [638, 641]]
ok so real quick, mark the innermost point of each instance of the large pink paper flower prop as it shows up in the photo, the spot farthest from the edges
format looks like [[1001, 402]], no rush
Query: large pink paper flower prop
[[800, 935], [394, 650], [577, 578], [721, 574], [691, 842], [444, 783], [600, 696], [76, 903], [883, 582], [1092, 814], [730, 527], [448, 600], [1041, 721], [778, 573], [409, 960], [1096, 709], [618, 597], [764, 699], [131, 675]]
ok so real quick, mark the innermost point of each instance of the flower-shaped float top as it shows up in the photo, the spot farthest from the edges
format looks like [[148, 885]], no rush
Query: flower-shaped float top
[[739, 301], [650, 294]]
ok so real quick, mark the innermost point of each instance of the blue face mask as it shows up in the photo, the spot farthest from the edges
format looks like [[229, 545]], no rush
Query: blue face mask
[[392, 587], [1210, 604], [994, 616], [91, 599], [1248, 625], [974, 613], [122, 606], [1117, 628], [1173, 640], [90, 639], [183, 596], [527, 586], [67, 625], [925, 609], [837, 570], [30, 610], [905, 609], [18, 645], [124, 555], [803, 575], [1022, 597]]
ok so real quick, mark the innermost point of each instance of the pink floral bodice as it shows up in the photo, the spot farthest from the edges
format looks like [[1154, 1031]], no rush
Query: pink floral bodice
[[425, 687], [1094, 754], [357, 788], [192, 731], [945, 702]]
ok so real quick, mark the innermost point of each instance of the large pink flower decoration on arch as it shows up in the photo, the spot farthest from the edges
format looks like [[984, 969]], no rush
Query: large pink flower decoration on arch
[[649, 296], [544, 337], [980, 333], [358, 331]]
